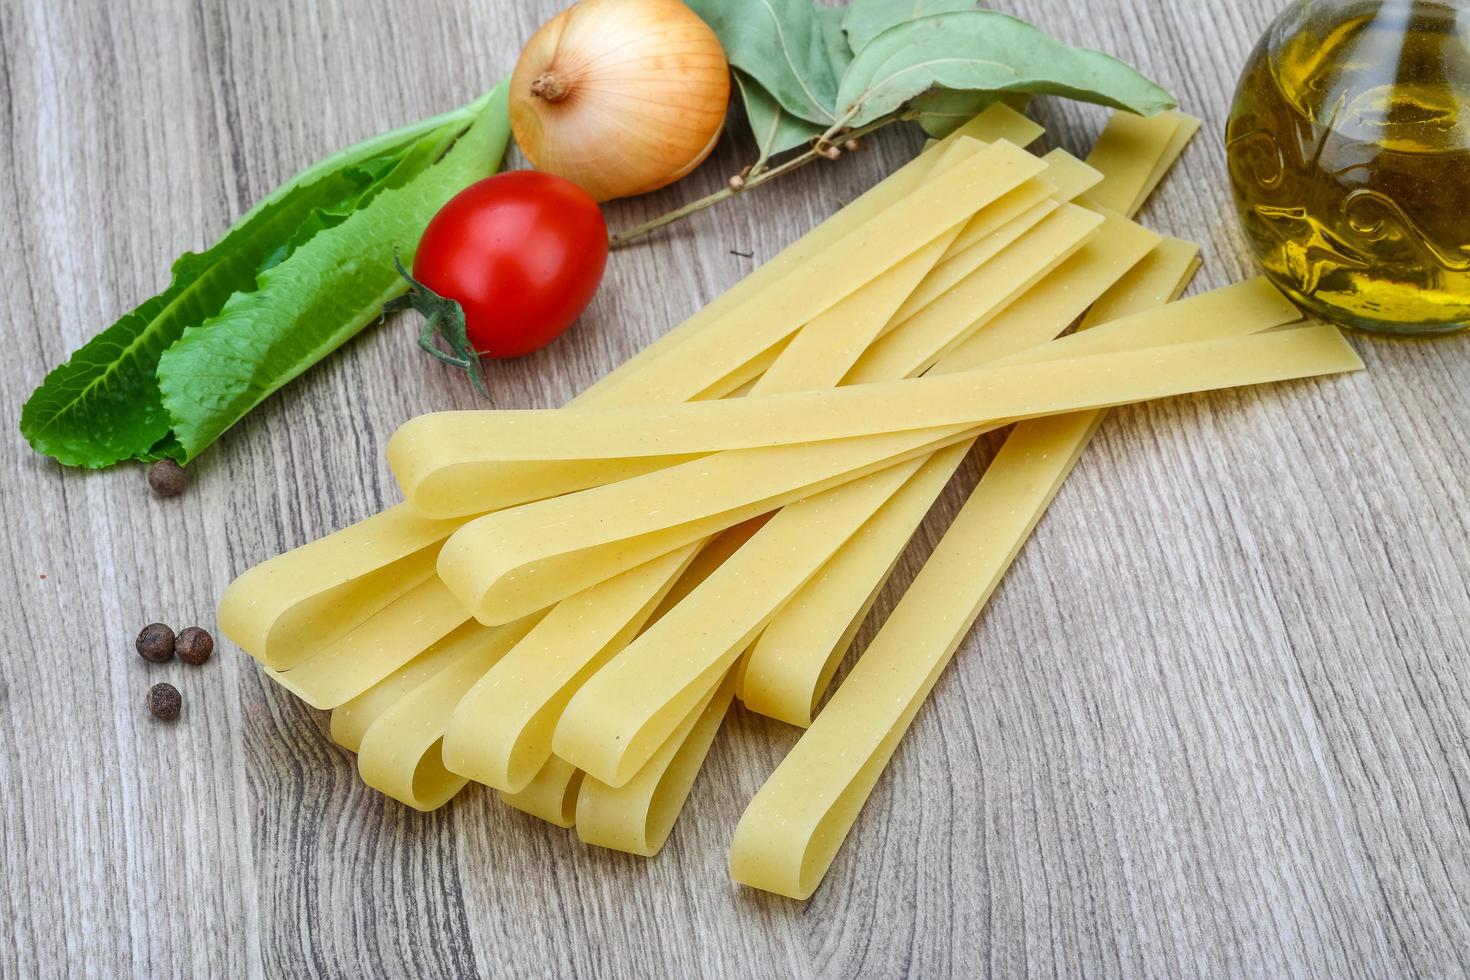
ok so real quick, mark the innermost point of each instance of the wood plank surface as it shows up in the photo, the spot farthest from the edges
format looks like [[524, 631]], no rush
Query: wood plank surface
[[1214, 724]]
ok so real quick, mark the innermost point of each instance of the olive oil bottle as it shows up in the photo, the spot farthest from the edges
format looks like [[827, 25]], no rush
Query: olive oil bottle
[[1349, 149]]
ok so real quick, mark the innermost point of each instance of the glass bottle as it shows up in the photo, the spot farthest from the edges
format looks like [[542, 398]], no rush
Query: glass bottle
[[1349, 150]]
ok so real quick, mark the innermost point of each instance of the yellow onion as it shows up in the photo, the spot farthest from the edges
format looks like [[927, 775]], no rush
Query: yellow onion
[[620, 96]]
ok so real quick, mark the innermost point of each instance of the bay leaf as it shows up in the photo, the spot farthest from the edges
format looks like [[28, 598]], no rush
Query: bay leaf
[[985, 51], [782, 45], [866, 19], [775, 130], [941, 111], [839, 52]]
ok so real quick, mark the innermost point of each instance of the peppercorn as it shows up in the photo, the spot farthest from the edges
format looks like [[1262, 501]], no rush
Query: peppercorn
[[165, 702], [156, 643], [194, 646], [167, 478]]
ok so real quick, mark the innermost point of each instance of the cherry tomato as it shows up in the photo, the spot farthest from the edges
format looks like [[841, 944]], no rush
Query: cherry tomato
[[521, 252]]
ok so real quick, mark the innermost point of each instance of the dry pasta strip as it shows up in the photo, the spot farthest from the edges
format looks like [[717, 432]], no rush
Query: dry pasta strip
[[784, 474], [456, 462], [394, 754], [362, 710], [631, 843], [733, 383], [499, 732], [622, 714], [706, 632], [553, 792], [1250, 304], [996, 124], [284, 609], [551, 796], [793, 828], [957, 266], [789, 667], [402, 755], [508, 564], [1064, 180], [1001, 212], [968, 176], [774, 420], [1134, 153], [411, 627], [1072, 177], [836, 338], [350, 721], [473, 718], [1058, 300], [502, 743], [396, 634], [638, 816], [1159, 280], [826, 349], [371, 651], [930, 334], [1187, 127]]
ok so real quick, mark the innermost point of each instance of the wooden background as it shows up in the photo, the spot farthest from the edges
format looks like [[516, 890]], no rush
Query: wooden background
[[1214, 723]]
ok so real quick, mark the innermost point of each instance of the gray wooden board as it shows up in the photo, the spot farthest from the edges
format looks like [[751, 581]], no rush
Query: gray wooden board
[[1213, 723]]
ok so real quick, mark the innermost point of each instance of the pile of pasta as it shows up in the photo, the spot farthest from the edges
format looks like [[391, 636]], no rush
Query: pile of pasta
[[569, 602]]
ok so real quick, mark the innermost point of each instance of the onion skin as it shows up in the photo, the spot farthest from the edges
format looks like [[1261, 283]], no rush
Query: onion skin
[[621, 97]]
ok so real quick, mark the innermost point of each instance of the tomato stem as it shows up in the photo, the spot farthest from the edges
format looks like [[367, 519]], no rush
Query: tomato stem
[[443, 323]]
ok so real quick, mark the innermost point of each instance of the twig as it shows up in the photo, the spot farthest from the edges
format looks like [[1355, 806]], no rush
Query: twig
[[822, 148]]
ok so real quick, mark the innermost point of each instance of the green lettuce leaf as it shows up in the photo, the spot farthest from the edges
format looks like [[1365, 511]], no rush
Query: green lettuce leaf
[[326, 291], [104, 404]]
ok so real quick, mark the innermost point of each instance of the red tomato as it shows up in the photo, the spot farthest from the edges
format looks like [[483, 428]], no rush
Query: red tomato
[[521, 252]]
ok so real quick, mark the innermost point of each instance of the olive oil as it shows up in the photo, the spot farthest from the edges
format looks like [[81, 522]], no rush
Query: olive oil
[[1349, 148]]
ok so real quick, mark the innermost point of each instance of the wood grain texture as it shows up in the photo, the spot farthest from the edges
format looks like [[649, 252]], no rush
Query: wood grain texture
[[1213, 724]]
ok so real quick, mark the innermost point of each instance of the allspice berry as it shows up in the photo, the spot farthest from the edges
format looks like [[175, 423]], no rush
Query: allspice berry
[[156, 643], [165, 702], [167, 478], [194, 646]]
